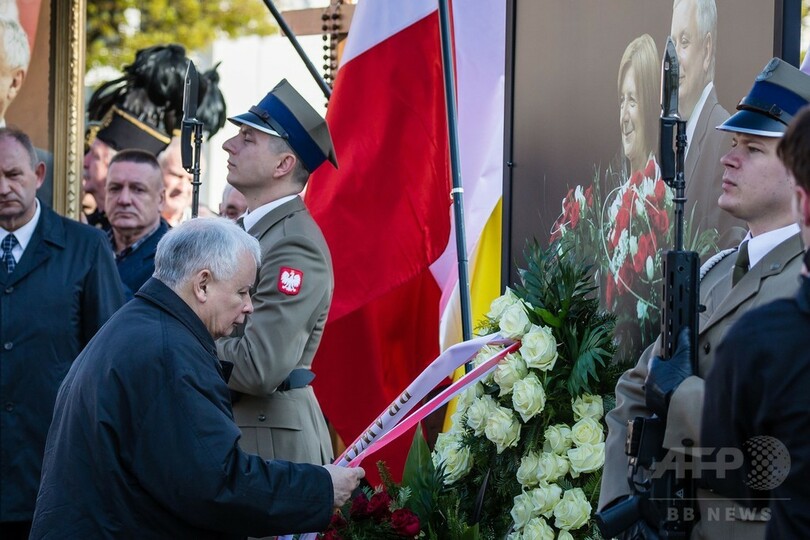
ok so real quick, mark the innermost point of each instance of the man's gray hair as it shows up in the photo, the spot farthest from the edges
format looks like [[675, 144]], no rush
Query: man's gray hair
[[212, 243], [15, 44], [706, 19]]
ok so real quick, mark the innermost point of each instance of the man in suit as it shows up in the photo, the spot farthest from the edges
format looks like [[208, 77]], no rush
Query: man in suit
[[694, 31], [143, 442], [280, 142], [59, 286], [134, 199], [757, 189], [756, 391], [119, 130]]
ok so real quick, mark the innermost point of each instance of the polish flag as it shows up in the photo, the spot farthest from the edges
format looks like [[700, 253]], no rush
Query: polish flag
[[386, 213]]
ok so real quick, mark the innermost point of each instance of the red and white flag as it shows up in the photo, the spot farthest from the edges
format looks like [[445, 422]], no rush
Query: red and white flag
[[386, 213]]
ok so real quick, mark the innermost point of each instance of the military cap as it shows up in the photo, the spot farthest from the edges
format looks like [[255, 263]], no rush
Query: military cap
[[284, 113], [779, 91], [122, 131]]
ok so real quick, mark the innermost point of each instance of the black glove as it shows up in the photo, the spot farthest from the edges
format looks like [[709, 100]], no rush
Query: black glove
[[665, 376], [640, 531]]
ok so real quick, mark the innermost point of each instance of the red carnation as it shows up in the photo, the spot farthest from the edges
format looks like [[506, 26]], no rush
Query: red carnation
[[378, 505], [645, 248], [649, 170], [331, 535], [405, 522], [337, 521], [359, 506], [610, 290], [660, 191], [589, 196]]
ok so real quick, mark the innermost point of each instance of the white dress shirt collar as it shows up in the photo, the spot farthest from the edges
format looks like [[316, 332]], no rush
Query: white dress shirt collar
[[252, 218], [762, 244]]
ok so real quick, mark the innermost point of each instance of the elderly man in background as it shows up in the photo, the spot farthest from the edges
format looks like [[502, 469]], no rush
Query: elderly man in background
[[59, 287], [233, 203], [694, 31], [156, 417], [177, 182], [134, 199]]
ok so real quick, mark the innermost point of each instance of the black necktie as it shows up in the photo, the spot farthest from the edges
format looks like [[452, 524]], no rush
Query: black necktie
[[9, 242], [241, 223], [741, 264]]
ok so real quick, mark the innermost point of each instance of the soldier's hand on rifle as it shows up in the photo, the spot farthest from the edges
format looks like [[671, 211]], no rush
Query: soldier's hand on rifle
[[665, 376], [640, 531]]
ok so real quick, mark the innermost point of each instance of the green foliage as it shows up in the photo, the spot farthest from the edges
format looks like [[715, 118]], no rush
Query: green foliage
[[195, 24]]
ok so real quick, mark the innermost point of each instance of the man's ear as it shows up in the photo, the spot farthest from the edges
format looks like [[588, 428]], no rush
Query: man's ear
[[201, 281], [708, 51], [17, 79], [40, 172], [286, 164], [804, 205]]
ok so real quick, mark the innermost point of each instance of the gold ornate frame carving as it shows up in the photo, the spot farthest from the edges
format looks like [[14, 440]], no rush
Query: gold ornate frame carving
[[67, 107]]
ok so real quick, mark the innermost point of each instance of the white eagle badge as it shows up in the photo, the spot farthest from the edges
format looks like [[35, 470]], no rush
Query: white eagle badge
[[289, 280]]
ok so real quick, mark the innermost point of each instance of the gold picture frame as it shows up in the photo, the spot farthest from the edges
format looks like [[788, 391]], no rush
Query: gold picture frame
[[68, 54]]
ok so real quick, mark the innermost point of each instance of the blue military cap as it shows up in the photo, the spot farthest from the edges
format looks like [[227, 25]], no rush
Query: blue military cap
[[284, 113], [779, 91]]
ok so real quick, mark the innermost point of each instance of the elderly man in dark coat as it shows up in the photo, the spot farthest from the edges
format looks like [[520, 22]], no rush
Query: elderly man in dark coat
[[143, 443], [59, 286]]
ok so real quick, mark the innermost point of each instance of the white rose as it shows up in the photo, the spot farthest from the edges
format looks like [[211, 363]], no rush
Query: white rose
[[562, 464], [573, 511], [557, 439], [545, 498], [469, 394], [514, 321], [527, 472], [539, 348], [588, 406], [528, 397], [550, 468], [649, 267], [587, 431], [479, 412], [443, 442], [499, 305], [457, 463], [522, 510], [502, 428], [514, 536], [565, 535], [510, 369], [586, 458], [485, 353], [538, 529]]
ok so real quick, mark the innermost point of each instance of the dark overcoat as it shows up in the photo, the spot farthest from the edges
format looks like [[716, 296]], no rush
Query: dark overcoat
[[63, 289], [143, 442], [139, 265], [759, 386]]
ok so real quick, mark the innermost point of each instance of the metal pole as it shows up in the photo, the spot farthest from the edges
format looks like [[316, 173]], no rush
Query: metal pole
[[294, 40], [457, 191]]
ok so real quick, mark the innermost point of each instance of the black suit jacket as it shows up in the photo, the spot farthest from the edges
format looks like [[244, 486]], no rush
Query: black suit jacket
[[759, 386], [63, 289]]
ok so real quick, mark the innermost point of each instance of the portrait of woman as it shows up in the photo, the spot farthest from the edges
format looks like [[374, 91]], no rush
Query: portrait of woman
[[639, 107]]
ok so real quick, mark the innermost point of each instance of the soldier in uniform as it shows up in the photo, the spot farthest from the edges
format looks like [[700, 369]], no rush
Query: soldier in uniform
[[758, 189], [280, 142]]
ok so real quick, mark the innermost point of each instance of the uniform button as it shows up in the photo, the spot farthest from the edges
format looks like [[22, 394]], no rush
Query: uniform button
[[687, 443], [262, 418], [9, 406], [707, 347], [9, 290], [8, 345]]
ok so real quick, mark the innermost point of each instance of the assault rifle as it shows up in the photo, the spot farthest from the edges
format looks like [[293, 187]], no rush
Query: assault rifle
[[664, 499]]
